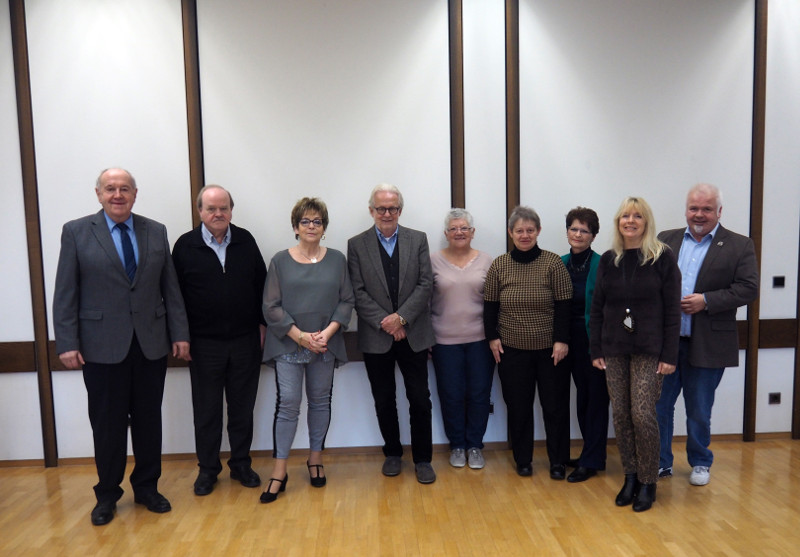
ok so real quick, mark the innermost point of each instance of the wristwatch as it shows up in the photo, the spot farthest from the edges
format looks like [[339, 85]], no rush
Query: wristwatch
[[403, 322]]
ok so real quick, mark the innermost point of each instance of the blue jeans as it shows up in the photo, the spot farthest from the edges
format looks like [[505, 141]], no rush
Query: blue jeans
[[319, 384], [699, 385], [464, 381]]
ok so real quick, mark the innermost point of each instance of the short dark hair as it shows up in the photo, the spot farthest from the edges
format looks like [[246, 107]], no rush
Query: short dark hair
[[586, 216], [309, 205]]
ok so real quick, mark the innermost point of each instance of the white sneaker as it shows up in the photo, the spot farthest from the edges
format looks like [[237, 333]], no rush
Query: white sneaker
[[665, 472], [457, 458], [475, 457], [700, 475]]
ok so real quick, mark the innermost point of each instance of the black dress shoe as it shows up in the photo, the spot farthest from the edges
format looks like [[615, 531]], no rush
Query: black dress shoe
[[204, 484], [525, 469], [103, 512], [574, 462], [268, 496], [581, 474], [645, 497], [629, 490], [558, 471], [155, 502], [246, 476]]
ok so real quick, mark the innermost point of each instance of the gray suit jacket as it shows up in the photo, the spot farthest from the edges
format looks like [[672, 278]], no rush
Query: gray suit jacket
[[96, 309], [373, 301], [729, 279]]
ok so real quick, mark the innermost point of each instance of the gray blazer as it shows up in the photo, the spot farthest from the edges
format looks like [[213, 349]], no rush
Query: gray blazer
[[96, 309], [373, 301], [729, 279]]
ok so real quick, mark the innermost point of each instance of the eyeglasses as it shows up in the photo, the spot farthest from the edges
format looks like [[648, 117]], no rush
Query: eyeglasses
[[391, 210], [308, 222], [579, 230], [462, 229]]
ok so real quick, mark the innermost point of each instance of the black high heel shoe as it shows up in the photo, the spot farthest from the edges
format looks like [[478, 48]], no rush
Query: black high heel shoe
[[269, 497], [629, 490], [318, 480]]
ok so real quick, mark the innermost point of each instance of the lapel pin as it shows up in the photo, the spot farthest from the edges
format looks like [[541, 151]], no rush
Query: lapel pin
[[720, 244]]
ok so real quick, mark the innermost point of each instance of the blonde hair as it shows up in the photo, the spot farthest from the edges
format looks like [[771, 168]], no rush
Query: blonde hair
[[652, 247]]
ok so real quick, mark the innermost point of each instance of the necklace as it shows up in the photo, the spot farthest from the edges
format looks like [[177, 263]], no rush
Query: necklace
[[576, 269], [628, 322], [311, 259]]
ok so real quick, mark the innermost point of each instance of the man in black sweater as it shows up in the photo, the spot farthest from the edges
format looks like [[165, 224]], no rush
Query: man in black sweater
[[221, 274]]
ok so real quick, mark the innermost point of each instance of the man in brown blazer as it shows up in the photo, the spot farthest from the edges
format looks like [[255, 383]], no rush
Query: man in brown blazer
[[719, 273], [390, 268]]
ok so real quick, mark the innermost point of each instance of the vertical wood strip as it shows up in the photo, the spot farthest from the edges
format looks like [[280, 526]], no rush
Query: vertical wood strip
[[756, 213], [22, 82], [194, 117], [456, 40], [512, 109]]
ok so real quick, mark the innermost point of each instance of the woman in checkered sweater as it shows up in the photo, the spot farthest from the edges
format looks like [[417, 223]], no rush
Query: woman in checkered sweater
[[526, 319]]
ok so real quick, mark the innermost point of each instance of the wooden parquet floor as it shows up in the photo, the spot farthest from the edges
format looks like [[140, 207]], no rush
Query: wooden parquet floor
[[751, 507]]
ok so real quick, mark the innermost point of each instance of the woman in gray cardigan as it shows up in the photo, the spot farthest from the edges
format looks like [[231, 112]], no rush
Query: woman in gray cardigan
[[308, 300]]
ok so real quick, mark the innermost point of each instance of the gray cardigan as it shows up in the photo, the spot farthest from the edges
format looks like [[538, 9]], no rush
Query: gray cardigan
[[310, 296]]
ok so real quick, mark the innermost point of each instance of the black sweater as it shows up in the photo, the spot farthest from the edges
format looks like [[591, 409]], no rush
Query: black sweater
[[221, 303], [652, 293]]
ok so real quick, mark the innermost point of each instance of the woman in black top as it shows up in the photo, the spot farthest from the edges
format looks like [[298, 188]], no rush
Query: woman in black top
[[634, 327]]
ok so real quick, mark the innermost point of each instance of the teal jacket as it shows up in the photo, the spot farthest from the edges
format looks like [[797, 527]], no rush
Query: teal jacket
[[593, 264]]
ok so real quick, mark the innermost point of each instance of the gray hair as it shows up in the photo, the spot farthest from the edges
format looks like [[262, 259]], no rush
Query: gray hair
[[388, 188], [456, 214], [524, 213], [204, 189], [97, 182], [707, 189]]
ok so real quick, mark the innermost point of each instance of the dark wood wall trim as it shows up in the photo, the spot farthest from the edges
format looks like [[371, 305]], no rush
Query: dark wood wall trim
[[756, 213], [796, 397], [512, 109], [194, 117], [456, 39], [22, 80]]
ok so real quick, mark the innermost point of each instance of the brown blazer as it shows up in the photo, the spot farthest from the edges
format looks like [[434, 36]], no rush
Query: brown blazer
[[728, 278]]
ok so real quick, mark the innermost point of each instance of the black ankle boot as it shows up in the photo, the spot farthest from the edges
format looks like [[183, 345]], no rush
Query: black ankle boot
[[645, 498], [628, 491]]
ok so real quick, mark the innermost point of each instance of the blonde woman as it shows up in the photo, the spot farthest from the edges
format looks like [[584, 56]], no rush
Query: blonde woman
[[634, 327]]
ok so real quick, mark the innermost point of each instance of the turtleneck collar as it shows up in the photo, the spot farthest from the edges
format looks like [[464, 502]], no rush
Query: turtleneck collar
[[526, 256]]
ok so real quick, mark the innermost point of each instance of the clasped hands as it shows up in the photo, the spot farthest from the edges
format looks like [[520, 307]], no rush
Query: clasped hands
[[391, 325], [315, 342]]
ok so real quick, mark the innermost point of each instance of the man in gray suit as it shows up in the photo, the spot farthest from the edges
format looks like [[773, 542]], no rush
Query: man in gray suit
[[719, 274], [390, 269], [117, 308]]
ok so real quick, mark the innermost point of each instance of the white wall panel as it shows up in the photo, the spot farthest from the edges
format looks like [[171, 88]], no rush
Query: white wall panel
[[634, 98], [781, 162], [15, 292], [775, 375], [325, 99], [20, 421]]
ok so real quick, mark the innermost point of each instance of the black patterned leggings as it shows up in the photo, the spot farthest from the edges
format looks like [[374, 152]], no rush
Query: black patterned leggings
[[634, 388]]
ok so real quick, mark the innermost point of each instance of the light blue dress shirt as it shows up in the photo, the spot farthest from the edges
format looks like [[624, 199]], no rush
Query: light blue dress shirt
[[116, 235], [220, 249], [690, 259], [388, 243]]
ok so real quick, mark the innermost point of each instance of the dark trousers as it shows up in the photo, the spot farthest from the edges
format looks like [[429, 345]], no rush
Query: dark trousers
[[130, 390], [520, 371], [414, 368], [591, 400], [230, 367]]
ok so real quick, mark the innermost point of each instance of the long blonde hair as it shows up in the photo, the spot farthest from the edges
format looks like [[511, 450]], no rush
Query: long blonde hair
[[652, 247]]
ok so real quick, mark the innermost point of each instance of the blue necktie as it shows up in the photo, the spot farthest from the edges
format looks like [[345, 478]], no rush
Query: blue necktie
[[127, 250]]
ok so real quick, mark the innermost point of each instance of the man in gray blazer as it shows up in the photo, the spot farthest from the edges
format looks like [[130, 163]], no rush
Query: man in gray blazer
[[117, 308], [390, 269], [719, 273]]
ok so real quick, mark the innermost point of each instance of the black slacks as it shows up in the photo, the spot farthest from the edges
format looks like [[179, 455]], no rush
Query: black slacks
[[414, 369], [229, 367], [520, 371], [131, 390]]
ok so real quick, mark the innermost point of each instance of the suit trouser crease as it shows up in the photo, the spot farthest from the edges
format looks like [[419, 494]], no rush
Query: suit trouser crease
[[414, 369], [228, 368], [129, 392]]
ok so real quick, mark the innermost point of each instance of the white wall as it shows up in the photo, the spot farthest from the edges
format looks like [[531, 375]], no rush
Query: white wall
[[328, 99]]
